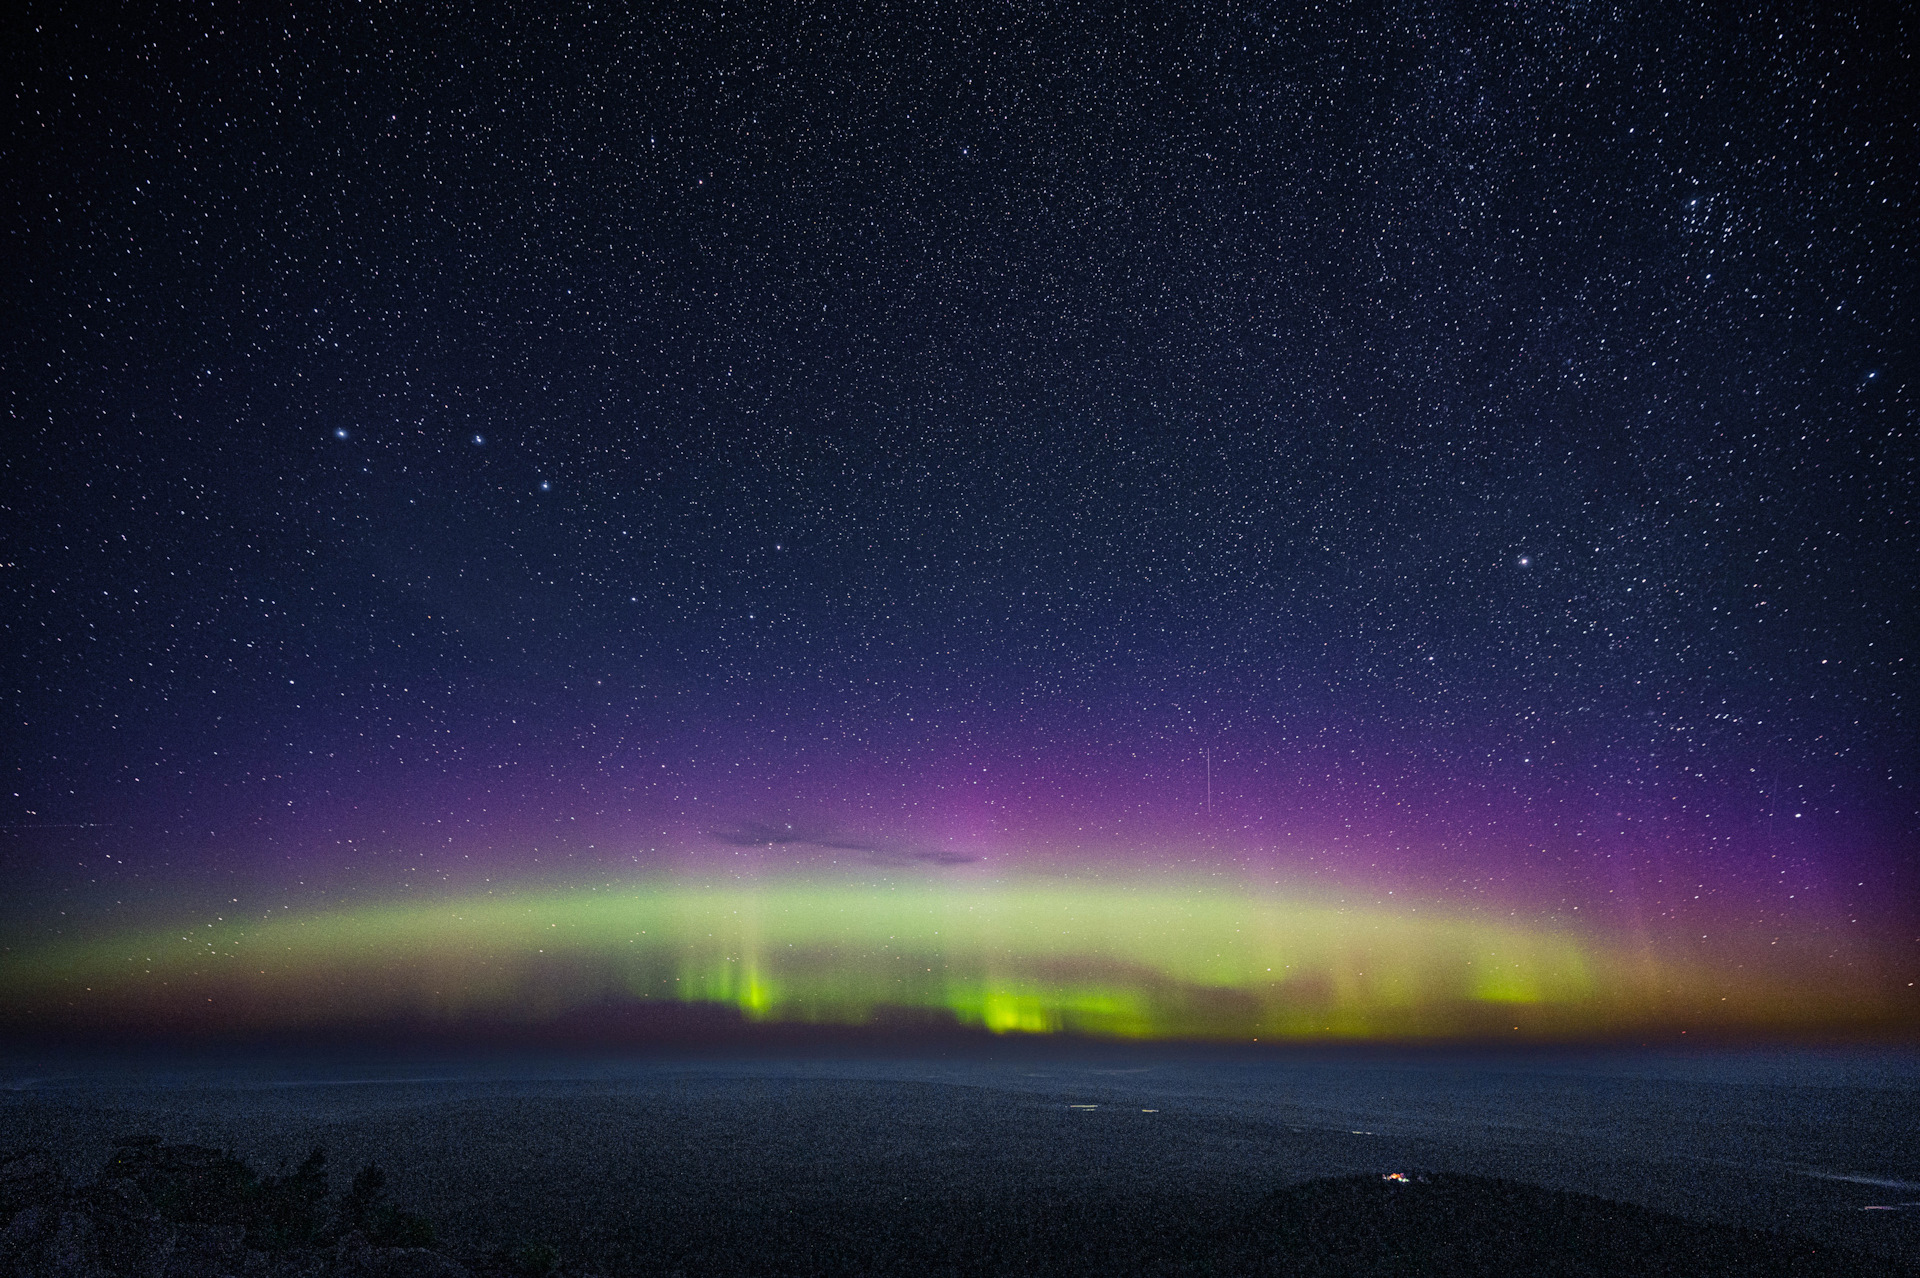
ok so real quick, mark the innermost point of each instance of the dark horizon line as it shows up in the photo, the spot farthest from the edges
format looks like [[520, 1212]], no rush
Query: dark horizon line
[[707, 1028]]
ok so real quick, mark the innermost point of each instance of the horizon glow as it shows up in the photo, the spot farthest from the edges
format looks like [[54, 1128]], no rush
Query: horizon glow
[[1119, 959]]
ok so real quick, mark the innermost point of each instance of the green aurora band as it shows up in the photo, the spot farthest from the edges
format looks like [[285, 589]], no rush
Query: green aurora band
[[1125, 960]]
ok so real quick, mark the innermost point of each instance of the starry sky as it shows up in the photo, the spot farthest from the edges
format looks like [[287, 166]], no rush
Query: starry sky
[[1407, 483]]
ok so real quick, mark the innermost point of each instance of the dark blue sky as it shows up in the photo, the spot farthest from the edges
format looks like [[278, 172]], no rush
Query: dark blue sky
[[420, 415]]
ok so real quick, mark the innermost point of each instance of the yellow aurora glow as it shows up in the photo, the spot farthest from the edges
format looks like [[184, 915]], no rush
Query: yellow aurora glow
[[1114, 959]]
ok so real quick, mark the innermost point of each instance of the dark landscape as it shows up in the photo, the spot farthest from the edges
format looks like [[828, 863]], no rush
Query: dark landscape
[[1030, 1160]]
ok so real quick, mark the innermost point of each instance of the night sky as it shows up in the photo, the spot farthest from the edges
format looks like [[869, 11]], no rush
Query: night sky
[[1196, 523]]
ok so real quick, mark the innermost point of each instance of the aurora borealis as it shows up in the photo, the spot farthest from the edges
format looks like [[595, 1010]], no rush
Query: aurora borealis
[[1041, 957], [1122, 961], [1111, 957], [1299, 527]]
